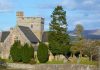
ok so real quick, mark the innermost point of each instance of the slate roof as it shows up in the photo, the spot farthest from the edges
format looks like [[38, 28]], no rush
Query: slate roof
[[45, 37], [4, 35], [29, 34]]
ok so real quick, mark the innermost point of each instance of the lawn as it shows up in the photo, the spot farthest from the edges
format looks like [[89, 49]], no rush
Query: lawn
[[83, 60], [55, 62]]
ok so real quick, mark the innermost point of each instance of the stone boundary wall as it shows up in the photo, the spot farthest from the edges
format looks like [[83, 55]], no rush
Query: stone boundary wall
[[51, 66]]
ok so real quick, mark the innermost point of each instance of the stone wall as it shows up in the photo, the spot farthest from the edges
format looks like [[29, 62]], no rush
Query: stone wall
[[51, 66], [6, 45]]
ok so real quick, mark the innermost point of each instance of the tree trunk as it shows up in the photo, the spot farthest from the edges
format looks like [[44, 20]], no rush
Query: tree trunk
[[80, 55], [54, 57], [73, 55], [91, 57]]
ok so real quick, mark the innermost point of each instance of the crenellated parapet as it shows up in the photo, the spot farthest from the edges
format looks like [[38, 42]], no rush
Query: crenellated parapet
[[36, 24]]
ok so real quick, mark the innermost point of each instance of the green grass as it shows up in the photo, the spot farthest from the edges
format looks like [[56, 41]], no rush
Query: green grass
[[85, 60], [55, 62]]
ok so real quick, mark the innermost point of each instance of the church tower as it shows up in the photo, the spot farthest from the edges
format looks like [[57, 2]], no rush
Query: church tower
[[36, 24]]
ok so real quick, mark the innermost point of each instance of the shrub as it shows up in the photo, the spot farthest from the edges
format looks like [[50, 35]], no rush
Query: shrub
[[15, 51], [27, 53], [42, 53], [31, 51], [21, 53]]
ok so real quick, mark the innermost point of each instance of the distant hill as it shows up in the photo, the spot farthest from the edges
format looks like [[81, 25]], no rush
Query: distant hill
[[89, 34]]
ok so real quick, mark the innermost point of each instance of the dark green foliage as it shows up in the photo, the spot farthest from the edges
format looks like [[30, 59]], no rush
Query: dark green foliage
[[54, 48], [31, 51], [59, 39], [21, 53], [68, 54], [15, 51], [27, 53], [42, 53]]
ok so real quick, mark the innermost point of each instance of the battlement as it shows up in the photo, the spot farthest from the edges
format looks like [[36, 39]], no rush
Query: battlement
[[36, 24], [19, 14], [21, 19]]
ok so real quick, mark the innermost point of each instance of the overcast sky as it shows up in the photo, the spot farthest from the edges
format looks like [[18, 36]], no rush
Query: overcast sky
[[85, 12]]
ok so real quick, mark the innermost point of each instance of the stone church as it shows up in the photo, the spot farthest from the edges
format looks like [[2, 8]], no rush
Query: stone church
[[28, 30]]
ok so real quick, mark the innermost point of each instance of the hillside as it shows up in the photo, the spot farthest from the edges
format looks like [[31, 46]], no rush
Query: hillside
[[89, 34]]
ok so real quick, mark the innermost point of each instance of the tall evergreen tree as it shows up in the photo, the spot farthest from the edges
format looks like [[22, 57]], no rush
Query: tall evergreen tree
[[58, 37], [15, 51]]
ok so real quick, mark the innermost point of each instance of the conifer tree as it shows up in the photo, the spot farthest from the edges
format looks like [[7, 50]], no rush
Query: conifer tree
[[42, 53], [15, 51], [21, 53], [27, 53], [59, 40]]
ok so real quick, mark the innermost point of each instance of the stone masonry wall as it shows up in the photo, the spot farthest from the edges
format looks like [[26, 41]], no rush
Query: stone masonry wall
[[51, 67], [10, 40]]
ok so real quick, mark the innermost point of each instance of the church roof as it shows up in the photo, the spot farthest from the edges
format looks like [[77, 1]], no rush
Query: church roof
[[4, 35], [29, 34]]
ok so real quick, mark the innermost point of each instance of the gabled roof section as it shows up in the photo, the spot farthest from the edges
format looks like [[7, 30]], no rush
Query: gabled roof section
[[45, 37], [4, 35], [29, 34]]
